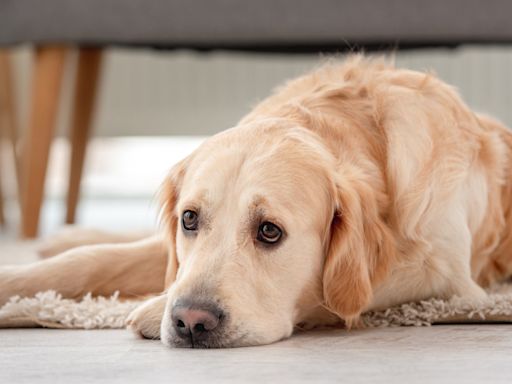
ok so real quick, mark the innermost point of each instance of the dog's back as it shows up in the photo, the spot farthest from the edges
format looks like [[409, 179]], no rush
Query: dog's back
[[429, 156], [492, 263]]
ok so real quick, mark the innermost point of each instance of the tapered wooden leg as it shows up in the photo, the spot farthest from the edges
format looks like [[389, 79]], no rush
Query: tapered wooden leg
[[3, 122], [2, 214], [46, 84], [87, 75], [8, 116], [9, 113]]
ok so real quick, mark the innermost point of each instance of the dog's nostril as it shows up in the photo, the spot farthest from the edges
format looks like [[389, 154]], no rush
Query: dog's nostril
[[194, 322]]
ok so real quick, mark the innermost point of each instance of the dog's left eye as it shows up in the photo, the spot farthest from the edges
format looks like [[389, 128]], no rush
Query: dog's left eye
[[190, 220], [269, 233]]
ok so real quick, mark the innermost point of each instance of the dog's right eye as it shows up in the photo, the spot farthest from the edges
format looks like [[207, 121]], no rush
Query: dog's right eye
[[190, 220], [269, 233]]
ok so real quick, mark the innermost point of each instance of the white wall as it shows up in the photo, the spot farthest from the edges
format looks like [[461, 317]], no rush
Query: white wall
[[145, 92]]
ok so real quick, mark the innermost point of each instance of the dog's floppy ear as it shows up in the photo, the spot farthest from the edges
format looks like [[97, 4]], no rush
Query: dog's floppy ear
[[360, 249], [169, 194]]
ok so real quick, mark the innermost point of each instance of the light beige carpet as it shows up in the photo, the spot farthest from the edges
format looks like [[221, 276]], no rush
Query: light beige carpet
[[49, 309]]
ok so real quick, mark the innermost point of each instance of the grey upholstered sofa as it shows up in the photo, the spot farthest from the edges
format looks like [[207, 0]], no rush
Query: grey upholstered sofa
[[256, 24]]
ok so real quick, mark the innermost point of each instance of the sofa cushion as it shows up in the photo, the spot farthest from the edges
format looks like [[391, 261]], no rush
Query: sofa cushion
[[256, 24]]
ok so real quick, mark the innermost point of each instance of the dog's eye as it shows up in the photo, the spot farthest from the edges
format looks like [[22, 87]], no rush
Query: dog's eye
[[269, 233], [190, 220]]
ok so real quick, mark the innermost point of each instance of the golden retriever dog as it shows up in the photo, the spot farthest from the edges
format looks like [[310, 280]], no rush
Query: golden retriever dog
[[355, 187]]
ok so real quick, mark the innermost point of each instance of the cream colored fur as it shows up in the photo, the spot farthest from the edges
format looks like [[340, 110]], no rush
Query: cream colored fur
[[388, 187]]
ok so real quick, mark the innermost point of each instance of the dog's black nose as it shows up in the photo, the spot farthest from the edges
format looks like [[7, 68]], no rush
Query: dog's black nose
[[195, 322]]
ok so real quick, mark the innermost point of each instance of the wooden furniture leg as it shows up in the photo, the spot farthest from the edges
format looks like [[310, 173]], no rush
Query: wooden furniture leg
[[87, 76], [3, 73], [2, 213], [9, 112], [46, 85], [8, 115]]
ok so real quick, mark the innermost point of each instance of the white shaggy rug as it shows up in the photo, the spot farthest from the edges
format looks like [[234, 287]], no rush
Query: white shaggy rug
[[49, 309]]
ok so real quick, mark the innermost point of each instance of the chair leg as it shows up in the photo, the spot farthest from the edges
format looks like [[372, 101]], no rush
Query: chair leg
[[46, 86], [8, 111], [2, 213], [3, 122], [87, 79]]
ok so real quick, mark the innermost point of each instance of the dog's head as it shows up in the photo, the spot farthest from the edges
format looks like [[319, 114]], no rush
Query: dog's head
[[266, 232]]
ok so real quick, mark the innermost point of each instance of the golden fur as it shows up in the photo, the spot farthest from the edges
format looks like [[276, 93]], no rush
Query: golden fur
[[388, 187]]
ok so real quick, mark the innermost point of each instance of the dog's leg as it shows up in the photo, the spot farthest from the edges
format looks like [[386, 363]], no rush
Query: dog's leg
[[72, 236], [498, 268], [146, 319], [467, 288], [134, 269], [456, 255]]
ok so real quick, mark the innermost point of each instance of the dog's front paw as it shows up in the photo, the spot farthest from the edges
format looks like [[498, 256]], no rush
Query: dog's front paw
[[145, 320]]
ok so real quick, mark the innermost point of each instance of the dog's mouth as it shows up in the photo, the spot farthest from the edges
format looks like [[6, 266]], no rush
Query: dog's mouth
[[221, 339], [202, 344]]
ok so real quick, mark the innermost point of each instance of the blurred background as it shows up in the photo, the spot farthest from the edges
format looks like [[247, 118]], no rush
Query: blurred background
[[158, 88]]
